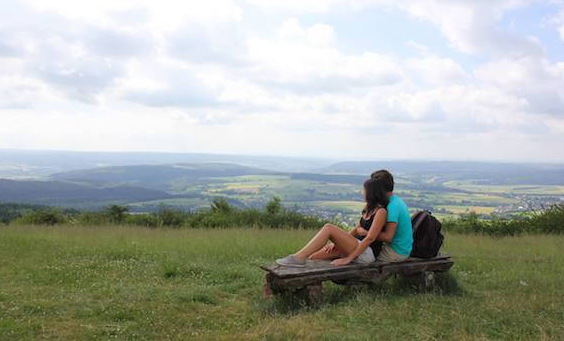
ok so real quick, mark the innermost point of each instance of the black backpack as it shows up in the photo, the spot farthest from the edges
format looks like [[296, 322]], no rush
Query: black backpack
[[427, 237]]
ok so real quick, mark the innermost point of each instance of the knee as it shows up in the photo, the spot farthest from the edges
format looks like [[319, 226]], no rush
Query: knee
[[328, 227]]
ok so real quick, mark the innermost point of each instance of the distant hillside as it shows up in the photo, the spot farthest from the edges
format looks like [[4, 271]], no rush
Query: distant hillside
[[161, 177], [56, 193], [480, 172], [42, 163], [331, 178]]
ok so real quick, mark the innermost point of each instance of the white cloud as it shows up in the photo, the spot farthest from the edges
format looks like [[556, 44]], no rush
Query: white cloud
[[304, 60], [316, 35], [536, 81], [471, 26], [422, 49], [297, 6], [185, 76], [437, 70], [161, 15]]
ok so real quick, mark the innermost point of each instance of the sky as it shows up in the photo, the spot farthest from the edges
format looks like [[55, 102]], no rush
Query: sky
[[343, 79]]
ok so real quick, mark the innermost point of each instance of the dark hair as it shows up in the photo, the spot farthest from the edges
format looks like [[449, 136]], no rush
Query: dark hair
[[375, 195], [386, 178]]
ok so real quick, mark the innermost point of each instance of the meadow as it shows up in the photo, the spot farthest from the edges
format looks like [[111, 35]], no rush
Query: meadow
[[133, 283]]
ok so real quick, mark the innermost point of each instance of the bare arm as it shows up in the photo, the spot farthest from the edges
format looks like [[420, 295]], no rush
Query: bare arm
[[377, 225], [388, 234]]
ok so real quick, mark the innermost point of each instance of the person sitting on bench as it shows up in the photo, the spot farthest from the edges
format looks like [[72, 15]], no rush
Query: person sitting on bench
[[396, 235], [345, 244]]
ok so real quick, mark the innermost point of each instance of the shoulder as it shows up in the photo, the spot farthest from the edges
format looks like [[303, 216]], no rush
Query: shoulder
[[394, 202], [377, 210], [380, 211]]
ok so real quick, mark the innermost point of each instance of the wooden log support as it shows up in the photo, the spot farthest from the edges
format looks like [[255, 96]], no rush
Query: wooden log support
[[308, 280], [428, 279], [312, 293]]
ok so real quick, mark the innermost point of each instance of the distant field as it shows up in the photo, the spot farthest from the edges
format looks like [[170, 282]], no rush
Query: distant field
[[354, 206], [467, 209], [491, 199], [188, 202], [327, 199], [501, 189], [335, 197], [79, 283]]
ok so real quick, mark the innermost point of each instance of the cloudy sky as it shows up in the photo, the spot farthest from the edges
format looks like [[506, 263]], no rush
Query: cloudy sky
[[349, 79]]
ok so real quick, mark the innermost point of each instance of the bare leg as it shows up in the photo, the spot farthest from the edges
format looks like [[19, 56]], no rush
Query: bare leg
[[326, 255], [342, 240]]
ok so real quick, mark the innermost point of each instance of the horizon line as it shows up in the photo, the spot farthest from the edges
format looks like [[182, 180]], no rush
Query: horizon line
[[337, 159]]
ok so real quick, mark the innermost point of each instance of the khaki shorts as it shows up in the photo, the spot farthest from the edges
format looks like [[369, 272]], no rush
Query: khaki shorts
[[389, 255]]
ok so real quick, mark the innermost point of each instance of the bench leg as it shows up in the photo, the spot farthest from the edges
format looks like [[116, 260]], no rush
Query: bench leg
[[269, 287], [313, 293], [429, 279], [425, 279], [266, 289]]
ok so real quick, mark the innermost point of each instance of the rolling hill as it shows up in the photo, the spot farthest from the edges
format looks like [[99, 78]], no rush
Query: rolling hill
[[61, 193], [487, 173], [38, 164], [173, 177]]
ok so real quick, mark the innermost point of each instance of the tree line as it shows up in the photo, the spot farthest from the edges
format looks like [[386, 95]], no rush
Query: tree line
[[220, 214]]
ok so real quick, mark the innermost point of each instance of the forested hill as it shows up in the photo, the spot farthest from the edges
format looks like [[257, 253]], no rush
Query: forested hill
[[158, 176], [57, 192]]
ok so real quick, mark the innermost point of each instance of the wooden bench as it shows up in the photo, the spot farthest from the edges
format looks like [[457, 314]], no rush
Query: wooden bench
[[308, 280]]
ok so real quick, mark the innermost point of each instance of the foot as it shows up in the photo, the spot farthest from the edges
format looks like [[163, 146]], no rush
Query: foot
[[291, 260]]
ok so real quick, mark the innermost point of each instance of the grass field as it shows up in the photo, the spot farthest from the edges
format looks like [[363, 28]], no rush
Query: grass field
[[81, 283]]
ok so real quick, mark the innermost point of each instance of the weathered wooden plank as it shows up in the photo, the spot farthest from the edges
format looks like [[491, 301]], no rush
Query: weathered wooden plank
[[324, 266], [307, 281], [366, 276], [373, 275]]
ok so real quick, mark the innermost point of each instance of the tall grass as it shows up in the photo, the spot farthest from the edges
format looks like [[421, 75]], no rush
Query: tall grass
[[132, 283]]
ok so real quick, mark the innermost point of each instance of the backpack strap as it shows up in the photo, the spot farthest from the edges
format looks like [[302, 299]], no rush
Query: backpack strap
[[420, 217]]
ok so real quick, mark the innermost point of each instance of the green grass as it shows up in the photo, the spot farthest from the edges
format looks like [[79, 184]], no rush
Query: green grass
[[82, 283]]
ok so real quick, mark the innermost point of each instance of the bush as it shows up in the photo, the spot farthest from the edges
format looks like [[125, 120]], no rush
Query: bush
[[142, 219], [116, 214], [170, 217], [220, 205], [43, 217], [92, 218], [550, 221], [274, 206], [12, 211]]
